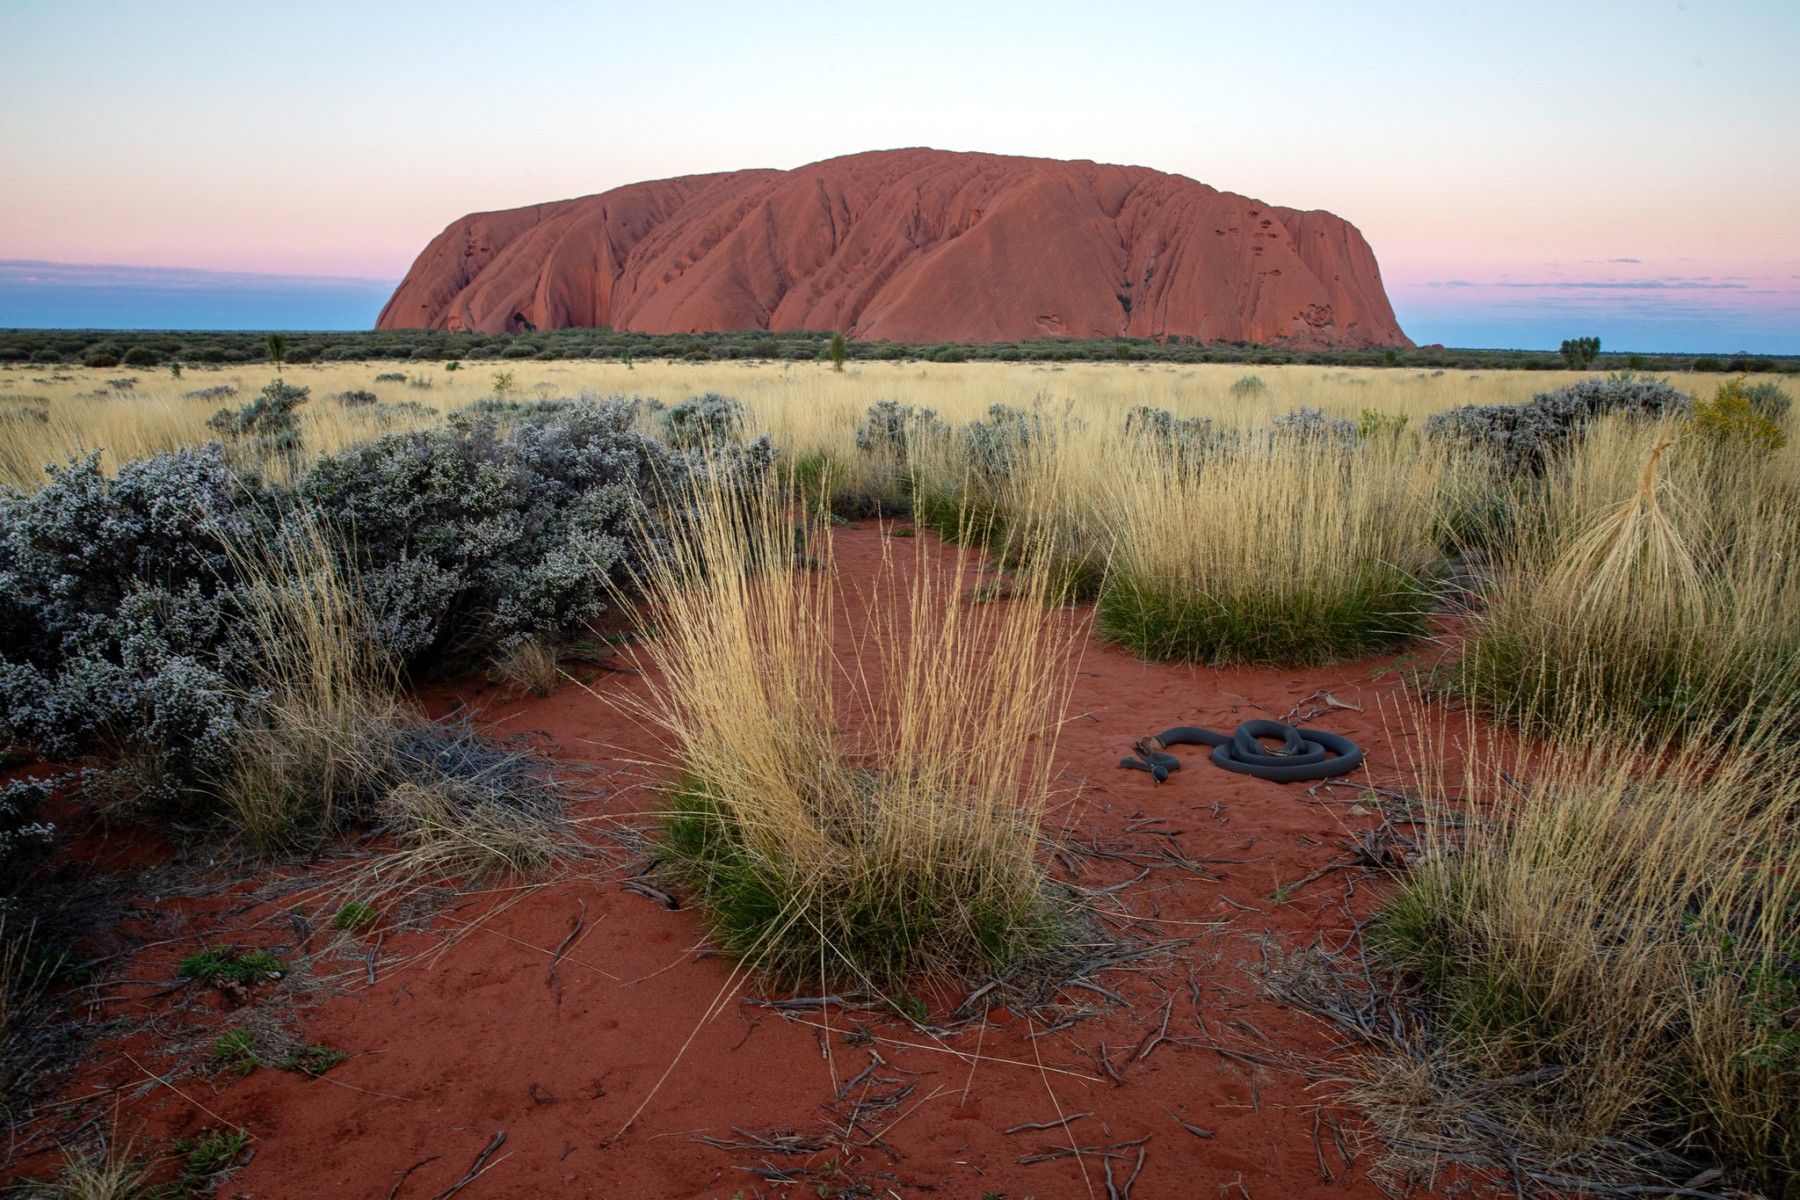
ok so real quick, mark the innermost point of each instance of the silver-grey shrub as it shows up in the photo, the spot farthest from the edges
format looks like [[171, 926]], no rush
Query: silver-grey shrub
[[1523, 437], [705, 420], [121, 603]]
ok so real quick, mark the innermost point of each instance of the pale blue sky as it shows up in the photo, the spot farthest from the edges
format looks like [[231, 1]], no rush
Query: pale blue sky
[[1475, 145]]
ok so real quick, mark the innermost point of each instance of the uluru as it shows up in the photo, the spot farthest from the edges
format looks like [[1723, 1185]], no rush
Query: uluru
[[912, 245]]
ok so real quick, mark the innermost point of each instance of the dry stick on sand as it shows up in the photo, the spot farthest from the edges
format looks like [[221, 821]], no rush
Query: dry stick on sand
[[475, 1168], [551, 978]]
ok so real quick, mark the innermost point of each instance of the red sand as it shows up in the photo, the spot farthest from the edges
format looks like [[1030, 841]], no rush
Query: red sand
[[910, 246], [462, 1036]]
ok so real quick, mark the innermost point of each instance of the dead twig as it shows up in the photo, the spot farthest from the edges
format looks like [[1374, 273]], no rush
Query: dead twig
[[474, 1170], [551, 978]]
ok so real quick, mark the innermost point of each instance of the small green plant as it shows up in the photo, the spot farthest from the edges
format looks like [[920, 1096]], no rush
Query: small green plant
[[625, 357], [838, 350], [504, 385], [311, 1061], [206, 1156], [235, 1050], [453, 365], [224, 964], [354, 916], [1373, 423], [175, 368], [1248, 385], [277, 347]]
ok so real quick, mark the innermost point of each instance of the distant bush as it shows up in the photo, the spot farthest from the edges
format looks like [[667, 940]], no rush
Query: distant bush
[[140, 356], [1189, 438], [219, 391], [1769, 399], [1311, 425], [266, 428], [705, 420], [1373, 423], [1248, 385], [1522, 437], [894, 430], [1732, 418], [357, 398], [391, 377]]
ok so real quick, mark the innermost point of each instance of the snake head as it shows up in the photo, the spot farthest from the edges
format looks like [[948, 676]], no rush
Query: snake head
[[1148, 745]]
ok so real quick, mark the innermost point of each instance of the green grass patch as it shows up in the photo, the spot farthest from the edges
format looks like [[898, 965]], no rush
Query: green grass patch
[[1369, 612], [928, 913], [354, 916], [205, 1157], [235, 1050], [225, 964]]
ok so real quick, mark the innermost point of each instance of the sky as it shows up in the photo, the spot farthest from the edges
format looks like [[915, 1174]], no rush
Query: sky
[[1524, 171]]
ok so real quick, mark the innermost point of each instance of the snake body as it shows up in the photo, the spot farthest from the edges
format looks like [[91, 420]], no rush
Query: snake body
[[1304, 753]]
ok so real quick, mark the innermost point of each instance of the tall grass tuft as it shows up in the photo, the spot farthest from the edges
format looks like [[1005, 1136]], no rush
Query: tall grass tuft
[[1657, 577], [332, 744], [1275, 550], [862, 789], [1606, 943], [323, 689]]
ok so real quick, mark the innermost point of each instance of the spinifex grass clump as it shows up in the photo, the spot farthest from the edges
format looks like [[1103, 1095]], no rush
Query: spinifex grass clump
[[1605, 948], [1281, 549], [864, 776], [1659, 578]]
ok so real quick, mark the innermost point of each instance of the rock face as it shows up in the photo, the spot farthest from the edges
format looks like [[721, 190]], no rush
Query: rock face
[[910, 246]]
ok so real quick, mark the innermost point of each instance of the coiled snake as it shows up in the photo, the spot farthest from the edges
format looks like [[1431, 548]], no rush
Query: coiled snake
[[1304, 753]]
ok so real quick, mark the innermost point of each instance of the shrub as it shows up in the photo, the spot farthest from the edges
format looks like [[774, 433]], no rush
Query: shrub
[[19, 833], [357, 398], [468, 538], [134, 621], [219, 391], [896, 431], [1187, 439], [265, 429], [1373, 423], [1768, 398], [1732, 417], [1248, 385], [702, 421], [113, 613], [391, 377], [1524, 437], [1312, 426]]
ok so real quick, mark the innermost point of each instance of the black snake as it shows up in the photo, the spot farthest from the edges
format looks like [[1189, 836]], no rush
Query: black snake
[[1304, 753]]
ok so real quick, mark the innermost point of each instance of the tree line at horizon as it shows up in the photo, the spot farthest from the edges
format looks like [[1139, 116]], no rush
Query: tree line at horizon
[[158, 348]]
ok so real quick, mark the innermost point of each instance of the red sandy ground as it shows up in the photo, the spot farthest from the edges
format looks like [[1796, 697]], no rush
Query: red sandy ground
[[463, 1035]]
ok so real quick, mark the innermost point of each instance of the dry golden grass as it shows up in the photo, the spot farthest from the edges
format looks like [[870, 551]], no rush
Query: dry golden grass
[[860, 800], [805, 407], [1274, 551], [327, 695], [1604, 937], [1658, 576]]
